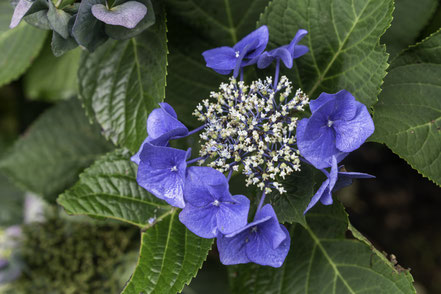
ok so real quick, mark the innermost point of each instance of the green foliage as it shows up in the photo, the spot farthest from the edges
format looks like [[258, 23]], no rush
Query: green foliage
[[300, 186], [169, 258], [344, 52], [322, 260], [121, 82], [48, 158], [109, 189], [18, 47], [410, 17], [73, 257], [53, 78], [11, 208], [203, 25], [408, 115]]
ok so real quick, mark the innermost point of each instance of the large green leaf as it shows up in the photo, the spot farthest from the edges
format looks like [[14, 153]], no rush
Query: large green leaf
[[322, 260], [53, 78], [49, 156], [300, 186], [343, 40], [18, 47], [170, 257], [408, 114], [410, 17], [109, 189], [196, 26], [121, 82], [12, 203]]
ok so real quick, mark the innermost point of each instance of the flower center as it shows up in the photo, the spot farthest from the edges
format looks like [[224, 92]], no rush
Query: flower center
[[330, 123], [253, 126], [174, 168], [254, 229], [237, 54], [216, 202]]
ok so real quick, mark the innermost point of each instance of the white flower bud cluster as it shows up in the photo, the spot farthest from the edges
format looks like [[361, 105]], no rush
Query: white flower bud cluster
[[253, 126]]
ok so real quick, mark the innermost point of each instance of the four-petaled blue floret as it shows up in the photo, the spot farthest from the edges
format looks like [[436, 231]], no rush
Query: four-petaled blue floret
[[254, 129], [210, 209]]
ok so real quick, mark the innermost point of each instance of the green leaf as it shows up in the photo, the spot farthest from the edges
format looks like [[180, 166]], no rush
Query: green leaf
[[122, 82], [300, 186], [11, 210], [196, 26], [410, 17], [408, 115], [48, 158], [343, 40], [18, 47], [322, 260], [53, 78], [170, 257], [109, 189]]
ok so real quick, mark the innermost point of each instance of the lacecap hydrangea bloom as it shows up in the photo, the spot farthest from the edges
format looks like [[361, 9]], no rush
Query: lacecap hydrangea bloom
[[250, 128]]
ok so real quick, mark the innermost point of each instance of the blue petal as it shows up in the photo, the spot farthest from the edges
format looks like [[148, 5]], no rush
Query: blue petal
[[265, 60], [317, 195], [198, 180], [345, 179], [128, 14], [200, 220], [221, 58], [300, 50], [162, 123], [233, 250], [156, 174], [297, 38], [353, 133], [339, 106], [233, 216], [20, 11], [259, 39], [260, 251], [135, 158], [317, 150], [270, 228], [333, 175]]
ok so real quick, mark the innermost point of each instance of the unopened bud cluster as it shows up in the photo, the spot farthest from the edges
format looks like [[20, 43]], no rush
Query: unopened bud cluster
[[253, 126]]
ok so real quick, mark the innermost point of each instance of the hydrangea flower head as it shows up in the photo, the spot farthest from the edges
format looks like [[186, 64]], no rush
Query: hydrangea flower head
[[161, 171], [263, 241], [338, 125], [162, 125], [210, 208], [225, 59], [252, 126], [286, 53]]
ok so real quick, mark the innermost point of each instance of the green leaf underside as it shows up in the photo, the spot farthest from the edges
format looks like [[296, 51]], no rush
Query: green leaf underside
[[321, 260], [196, 26], [53, 78], [18, 47], [50, 155], [343, 40], [300, 186], [109, 189], [121, 82], [170, 257], [408, 115]]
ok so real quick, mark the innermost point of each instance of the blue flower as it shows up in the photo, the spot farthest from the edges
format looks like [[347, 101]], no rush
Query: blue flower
[[335, 181], [210, 208], [161, 171], [264, 241], [162, 125], [338, 125], [246, 52], [286, 53]]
